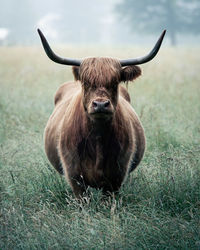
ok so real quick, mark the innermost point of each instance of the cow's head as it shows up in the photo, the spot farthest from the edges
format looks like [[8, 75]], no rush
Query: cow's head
[[100, 78]]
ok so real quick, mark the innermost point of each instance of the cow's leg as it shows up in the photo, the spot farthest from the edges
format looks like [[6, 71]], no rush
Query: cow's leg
[[77, 184], [114, 183], [110, 193], [72, 172], [112, 189]]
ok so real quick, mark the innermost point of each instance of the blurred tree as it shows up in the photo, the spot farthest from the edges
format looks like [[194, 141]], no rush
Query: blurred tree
[[177, 16]]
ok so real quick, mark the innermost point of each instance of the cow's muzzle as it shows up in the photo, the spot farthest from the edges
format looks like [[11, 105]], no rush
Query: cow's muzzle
[[101, 106], [101, 109]]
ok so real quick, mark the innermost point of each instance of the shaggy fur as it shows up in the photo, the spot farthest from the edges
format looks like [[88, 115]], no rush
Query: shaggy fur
[[96, 150]]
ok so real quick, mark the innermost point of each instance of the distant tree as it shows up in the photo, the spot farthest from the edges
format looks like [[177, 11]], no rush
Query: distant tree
[[177, 16]]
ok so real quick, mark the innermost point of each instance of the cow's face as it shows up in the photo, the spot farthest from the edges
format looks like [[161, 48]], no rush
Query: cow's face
[[100, 78]]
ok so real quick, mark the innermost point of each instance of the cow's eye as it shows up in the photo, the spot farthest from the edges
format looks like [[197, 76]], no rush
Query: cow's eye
[[86, 84], [94, 87]]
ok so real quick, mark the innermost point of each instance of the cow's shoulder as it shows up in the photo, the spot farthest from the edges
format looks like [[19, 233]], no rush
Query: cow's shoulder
[[66, 90]]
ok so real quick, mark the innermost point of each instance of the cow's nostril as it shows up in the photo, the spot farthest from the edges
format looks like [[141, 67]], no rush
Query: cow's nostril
[[95, 104], [106, 104]]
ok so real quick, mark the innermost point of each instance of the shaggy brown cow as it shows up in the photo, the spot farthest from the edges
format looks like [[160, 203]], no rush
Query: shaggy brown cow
[[94, 135]]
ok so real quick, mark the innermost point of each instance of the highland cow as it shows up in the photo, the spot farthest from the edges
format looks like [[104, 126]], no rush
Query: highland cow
[[94, 137]]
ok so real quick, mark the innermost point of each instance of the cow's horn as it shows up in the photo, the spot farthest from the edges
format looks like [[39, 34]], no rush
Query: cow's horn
[[53, 56], [146, 58]]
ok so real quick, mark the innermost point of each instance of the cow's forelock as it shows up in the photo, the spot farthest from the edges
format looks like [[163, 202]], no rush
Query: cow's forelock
[[100, 71]]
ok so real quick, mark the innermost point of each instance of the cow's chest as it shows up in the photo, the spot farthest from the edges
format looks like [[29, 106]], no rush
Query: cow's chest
[[96, 174], [102, 163]]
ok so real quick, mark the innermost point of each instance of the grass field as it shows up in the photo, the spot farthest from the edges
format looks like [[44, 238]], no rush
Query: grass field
[[159, 204]]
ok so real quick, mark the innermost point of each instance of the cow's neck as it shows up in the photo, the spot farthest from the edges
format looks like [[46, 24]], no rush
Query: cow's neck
[[101, 132], [101, 128]]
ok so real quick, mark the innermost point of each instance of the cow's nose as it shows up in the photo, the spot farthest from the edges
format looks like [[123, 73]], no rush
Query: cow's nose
[[100, 106]]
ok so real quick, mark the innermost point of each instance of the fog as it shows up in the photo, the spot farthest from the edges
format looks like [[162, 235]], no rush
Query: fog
[[74, 22]]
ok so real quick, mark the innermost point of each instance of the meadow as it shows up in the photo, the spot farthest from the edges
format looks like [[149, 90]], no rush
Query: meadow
[[158, 206]]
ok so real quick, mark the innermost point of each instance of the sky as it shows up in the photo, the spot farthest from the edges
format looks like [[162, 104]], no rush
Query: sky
[[63, 21], [84, 22]]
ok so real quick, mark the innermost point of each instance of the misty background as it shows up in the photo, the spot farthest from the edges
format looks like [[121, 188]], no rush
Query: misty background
[[99, 22]]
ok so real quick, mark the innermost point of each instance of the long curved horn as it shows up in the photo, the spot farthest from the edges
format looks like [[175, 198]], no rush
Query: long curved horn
[[146, 58], [53, 56]]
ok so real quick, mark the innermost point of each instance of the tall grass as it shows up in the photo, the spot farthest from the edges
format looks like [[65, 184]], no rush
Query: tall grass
[[158, 206]]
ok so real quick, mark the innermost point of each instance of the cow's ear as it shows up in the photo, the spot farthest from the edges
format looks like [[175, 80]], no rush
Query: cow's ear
[[75, 70], [130, 73]]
